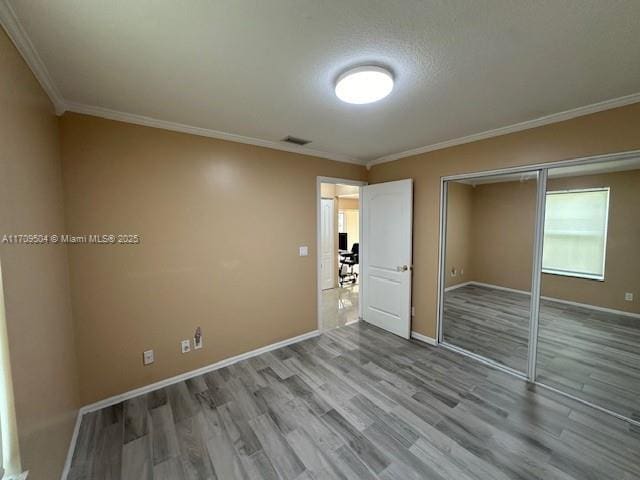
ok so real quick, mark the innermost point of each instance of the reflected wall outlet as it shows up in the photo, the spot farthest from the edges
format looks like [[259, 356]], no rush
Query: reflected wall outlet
[[628, 297], [147, 357], [185, 346]]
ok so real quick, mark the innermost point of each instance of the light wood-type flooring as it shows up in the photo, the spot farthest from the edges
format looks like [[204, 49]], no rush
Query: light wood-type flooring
[[588, 353], [355, 402]]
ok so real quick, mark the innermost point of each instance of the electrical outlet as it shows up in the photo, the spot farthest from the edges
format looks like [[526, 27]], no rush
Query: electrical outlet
[[628, 297], [147, 357], [413, 311], [185, 346], [461, 271], [453, 272], [197, 339]]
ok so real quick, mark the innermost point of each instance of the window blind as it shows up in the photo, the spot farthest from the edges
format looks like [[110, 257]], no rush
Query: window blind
[[575, 233]]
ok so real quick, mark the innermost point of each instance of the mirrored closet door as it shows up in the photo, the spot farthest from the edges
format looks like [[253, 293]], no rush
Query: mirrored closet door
[[540, 276], [489, 245], [589, 322]]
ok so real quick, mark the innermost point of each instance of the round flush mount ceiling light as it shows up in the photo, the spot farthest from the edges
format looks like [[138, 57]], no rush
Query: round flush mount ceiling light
[[364, 85]]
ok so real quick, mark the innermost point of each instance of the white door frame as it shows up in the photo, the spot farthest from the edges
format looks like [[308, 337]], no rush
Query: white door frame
[[343, 181], [332, 263]]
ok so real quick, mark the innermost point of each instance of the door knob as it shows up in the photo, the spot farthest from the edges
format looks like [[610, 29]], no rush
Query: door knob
[[402, 268]]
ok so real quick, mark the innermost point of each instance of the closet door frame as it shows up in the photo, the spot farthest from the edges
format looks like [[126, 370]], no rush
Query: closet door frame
[[529, 374], [534, 311]]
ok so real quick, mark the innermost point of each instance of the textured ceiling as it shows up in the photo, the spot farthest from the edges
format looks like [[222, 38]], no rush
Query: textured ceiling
[[265, 69]]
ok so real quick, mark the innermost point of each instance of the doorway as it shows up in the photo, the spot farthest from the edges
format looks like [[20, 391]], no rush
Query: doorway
[[339, 253]]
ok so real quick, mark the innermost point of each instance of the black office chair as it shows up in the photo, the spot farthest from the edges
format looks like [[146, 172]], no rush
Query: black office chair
[[347, 262]]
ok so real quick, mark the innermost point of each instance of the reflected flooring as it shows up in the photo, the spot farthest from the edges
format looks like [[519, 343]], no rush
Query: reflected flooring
[[355, 402], [585, 352], [339, 306]]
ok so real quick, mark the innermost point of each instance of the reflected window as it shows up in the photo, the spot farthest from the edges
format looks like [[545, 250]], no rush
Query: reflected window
[[575, 233]]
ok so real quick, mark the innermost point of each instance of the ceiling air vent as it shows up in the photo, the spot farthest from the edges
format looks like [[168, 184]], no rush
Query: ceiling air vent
[[295, 140]]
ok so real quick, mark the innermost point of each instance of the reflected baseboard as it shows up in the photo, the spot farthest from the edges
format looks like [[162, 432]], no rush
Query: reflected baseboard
[[551, 299], [459, 285], [423, 338]]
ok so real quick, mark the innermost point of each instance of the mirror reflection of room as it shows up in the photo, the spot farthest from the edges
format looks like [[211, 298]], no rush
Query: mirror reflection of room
[[589, 334], [488, 266], [340, 258]]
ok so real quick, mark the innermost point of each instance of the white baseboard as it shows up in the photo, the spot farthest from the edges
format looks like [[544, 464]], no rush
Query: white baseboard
[[107, 402], [559, 300], [423, 338], [459, 285], [593, 307], [499, 287]]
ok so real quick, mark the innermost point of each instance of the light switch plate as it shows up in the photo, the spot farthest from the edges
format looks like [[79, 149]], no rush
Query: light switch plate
[[304, 251], [147, 357]]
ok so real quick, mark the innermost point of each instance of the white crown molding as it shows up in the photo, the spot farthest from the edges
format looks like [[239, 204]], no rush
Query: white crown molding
[[21, 40], [517, 127], [19, 37], [203, 132]]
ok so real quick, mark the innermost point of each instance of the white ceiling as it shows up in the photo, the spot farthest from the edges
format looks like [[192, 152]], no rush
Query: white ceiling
[[265, 69], [347, 191]]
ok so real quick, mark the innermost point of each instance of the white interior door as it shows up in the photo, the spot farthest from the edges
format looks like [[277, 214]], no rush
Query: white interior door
[[387, 231], [327, 255]]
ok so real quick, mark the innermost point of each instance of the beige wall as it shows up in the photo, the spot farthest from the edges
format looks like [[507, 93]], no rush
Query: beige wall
[[348, 204], [35, 278], [327, 190], [233, 271], [504, 216], [459, 234], [611, 131], [501, 245]]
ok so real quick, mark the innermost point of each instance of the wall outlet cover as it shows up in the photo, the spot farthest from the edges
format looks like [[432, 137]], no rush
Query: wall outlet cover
[[304, 251], [147, 357], [185, 346], [628, 297]]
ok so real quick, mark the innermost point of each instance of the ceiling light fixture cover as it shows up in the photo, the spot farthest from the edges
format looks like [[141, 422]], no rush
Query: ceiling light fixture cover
[[364, 85]]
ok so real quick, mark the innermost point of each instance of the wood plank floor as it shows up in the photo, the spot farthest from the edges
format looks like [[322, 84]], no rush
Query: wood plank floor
[[355, 402], [587, 353]]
